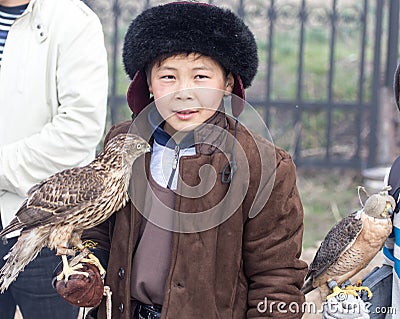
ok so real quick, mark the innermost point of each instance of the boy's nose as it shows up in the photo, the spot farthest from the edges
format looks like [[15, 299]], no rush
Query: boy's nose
[[184, 94]]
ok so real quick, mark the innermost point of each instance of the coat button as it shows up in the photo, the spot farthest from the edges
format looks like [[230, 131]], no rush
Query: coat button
[[121, 273], [179, 285], [121, 307]]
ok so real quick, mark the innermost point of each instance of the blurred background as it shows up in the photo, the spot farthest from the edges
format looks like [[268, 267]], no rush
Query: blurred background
[[324, 89]]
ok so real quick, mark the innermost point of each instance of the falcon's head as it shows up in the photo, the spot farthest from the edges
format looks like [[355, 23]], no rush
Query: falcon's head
[[123, 150], [134, 146], [380, 206]]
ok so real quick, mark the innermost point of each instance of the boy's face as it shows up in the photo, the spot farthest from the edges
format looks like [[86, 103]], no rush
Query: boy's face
[[188, 89]]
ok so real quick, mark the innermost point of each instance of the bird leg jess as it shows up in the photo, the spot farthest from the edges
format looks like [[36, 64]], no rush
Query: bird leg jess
[[86, 256]]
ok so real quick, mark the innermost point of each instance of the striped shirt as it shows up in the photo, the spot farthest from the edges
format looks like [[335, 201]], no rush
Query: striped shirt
[[392, 256], [7, 18], [391, 250]]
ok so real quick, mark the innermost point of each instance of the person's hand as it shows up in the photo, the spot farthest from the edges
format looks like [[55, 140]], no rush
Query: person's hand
[[345, 306], [80, 290]]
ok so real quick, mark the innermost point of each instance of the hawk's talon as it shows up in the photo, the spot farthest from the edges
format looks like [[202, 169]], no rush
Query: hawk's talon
[[69, 271], [340, 294], [92, 259], [88, 257], [354, 290], [359, 289]]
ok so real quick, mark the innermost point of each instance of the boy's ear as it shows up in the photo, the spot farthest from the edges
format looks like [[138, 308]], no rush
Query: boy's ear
[[230, 82]]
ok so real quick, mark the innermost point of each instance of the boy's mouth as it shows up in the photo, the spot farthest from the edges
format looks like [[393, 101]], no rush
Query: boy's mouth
[[185, 114]]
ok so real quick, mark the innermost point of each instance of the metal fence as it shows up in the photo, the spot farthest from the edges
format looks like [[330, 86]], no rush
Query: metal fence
[[322, 65]]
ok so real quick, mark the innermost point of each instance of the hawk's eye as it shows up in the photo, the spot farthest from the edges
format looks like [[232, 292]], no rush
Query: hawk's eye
[[139, 146]]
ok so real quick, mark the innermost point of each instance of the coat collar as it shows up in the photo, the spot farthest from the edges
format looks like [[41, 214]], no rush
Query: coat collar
[[34, 13]]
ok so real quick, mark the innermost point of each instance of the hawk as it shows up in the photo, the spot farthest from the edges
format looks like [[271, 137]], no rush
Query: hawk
[[59, 208], [350, 245]]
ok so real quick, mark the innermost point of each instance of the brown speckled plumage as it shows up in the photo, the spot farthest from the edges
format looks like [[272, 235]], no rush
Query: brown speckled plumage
[[59, 208], [351, 244], [336, 241]]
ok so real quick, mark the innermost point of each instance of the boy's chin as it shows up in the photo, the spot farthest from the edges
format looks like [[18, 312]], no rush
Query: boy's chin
[[184, 130], [181, 128]]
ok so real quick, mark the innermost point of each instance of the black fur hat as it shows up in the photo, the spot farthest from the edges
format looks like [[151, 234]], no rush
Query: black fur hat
[[186, 27]]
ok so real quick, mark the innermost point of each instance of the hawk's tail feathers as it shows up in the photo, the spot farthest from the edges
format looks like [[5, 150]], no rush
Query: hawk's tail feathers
[[308, 286], [14, 225], [23, 252]]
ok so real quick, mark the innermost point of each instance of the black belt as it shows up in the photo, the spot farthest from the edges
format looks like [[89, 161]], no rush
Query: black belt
[[143, 311]]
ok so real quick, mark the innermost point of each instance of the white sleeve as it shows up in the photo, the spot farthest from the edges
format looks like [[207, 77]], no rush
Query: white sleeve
[[72, 135]]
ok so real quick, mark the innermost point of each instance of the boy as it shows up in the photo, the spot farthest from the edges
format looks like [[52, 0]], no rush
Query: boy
[[215, 223]]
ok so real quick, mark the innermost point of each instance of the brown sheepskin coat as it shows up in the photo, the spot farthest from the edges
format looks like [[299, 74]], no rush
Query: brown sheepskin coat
[[229, 270]]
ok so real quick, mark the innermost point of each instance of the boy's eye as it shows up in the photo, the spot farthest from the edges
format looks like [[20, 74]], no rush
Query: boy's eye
[[201, 76], [167, 77]]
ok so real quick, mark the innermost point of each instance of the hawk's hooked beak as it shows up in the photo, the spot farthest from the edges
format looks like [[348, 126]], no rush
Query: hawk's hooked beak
[[148, 149], [388, 212]]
